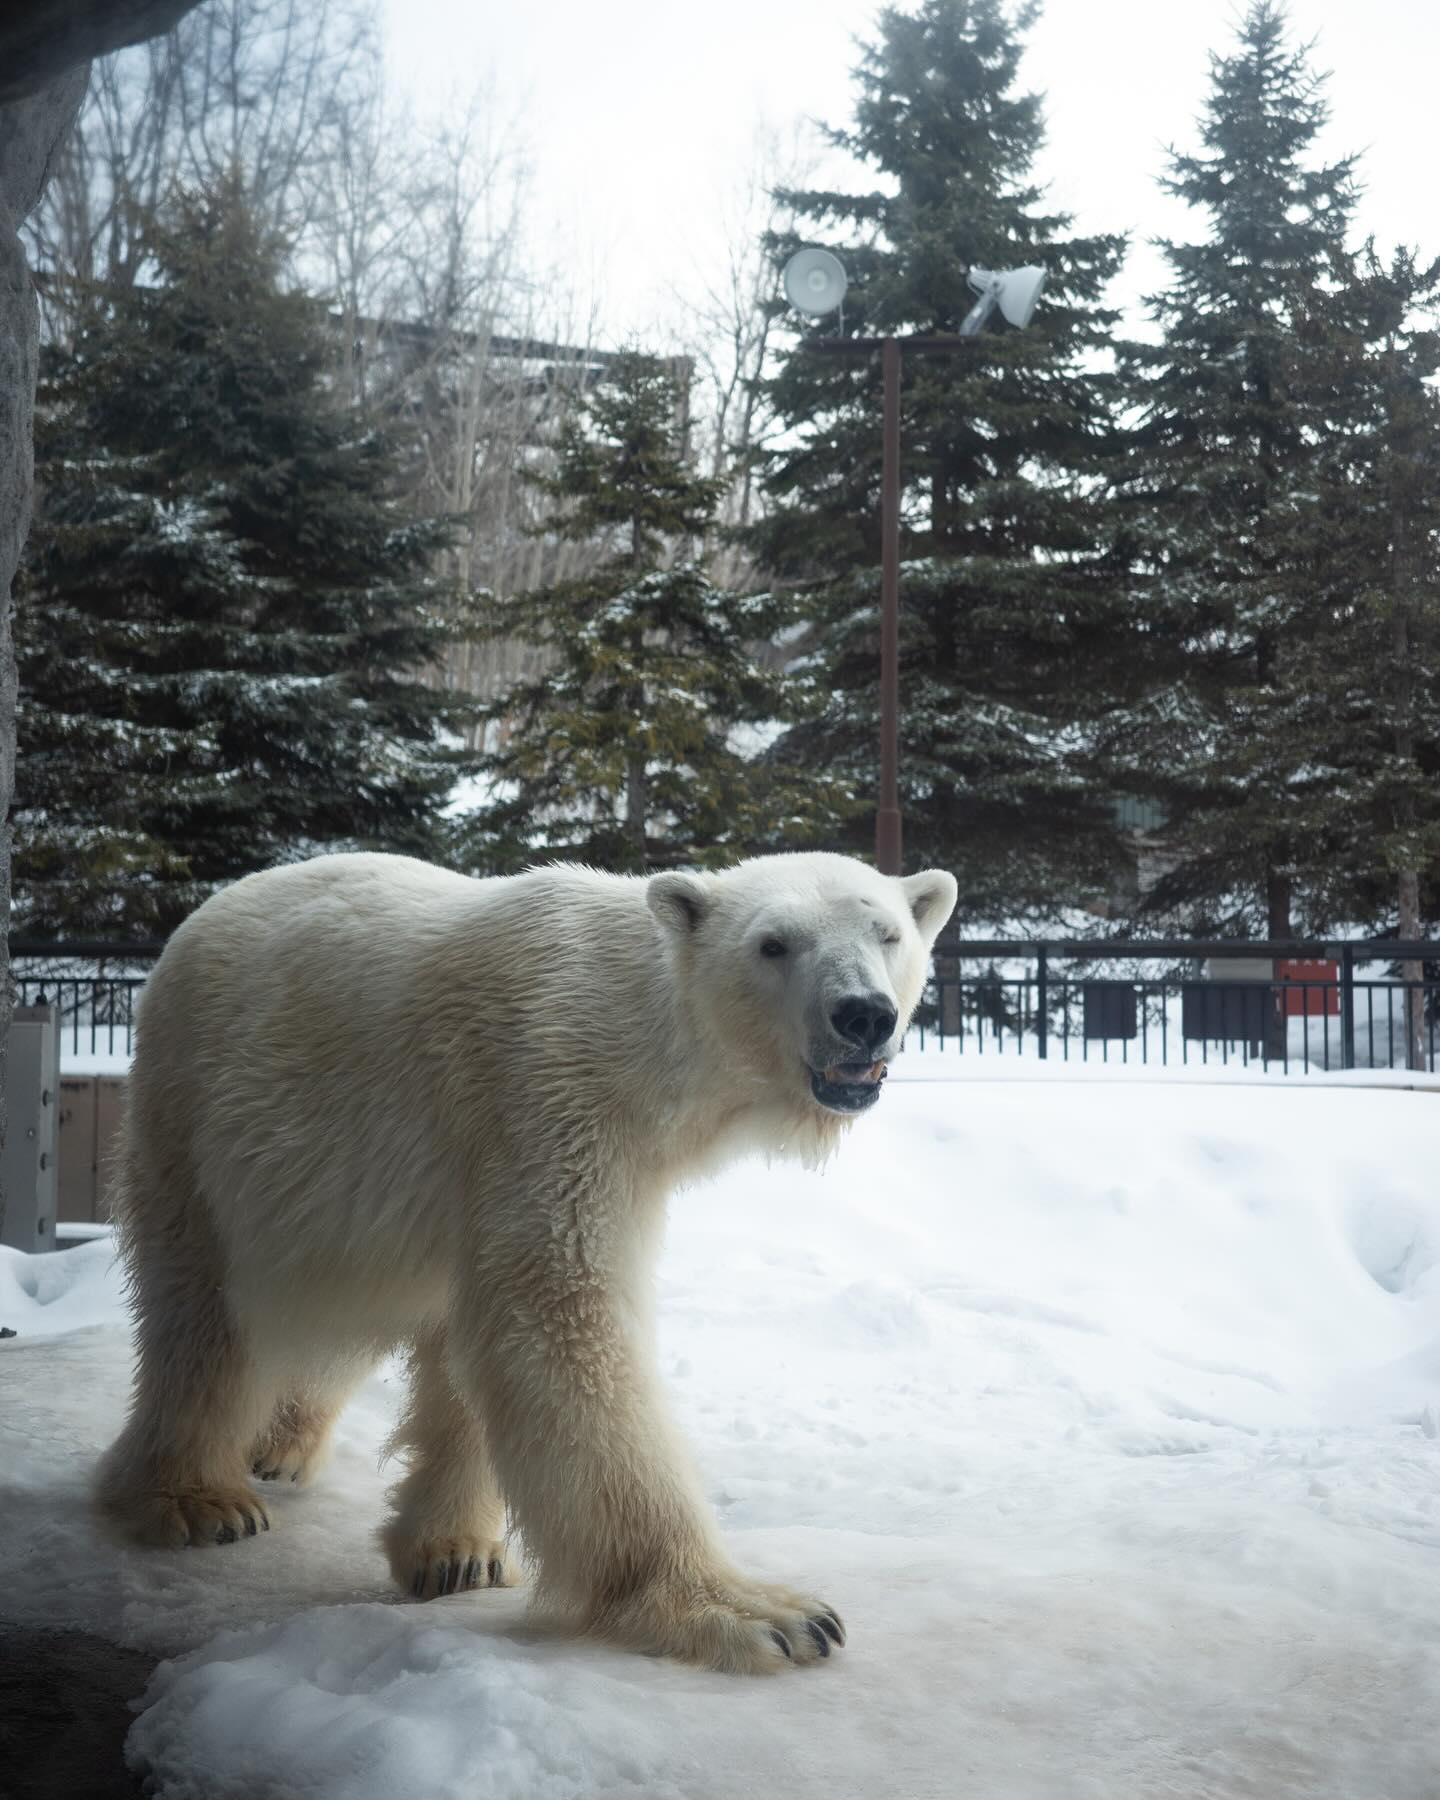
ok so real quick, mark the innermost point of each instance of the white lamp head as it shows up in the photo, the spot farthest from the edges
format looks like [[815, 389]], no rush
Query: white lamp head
[[815, 282], [1015, 291]]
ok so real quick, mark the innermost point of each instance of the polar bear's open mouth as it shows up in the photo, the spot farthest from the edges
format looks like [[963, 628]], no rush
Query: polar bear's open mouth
[[848, 1087]]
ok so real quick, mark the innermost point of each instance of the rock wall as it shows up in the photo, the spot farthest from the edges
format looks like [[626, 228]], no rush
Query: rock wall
[[30, 133], [45, 52]]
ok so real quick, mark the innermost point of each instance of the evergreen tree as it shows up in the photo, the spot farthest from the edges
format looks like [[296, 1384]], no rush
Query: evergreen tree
[[1236, 406], [223, 607], [1013, 605], [629, 750], [1372, 667]]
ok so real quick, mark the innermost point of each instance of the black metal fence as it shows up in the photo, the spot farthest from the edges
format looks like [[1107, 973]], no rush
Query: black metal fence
[[1307, 1006], [95, 985], [1286, 1007]]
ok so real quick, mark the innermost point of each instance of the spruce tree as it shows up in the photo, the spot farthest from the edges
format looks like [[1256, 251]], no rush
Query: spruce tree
[[1372, 667], [629, 751], [223, 609], [1236, 409], [1013, 607]]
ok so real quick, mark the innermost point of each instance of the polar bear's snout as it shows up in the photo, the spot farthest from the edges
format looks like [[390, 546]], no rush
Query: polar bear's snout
[[865, 1020], [845, 1075]]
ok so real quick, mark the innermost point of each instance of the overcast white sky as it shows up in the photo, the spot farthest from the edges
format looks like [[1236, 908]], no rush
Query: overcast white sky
[[639, 116]]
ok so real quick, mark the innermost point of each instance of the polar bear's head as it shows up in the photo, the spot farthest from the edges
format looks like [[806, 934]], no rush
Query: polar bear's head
[[801, 971]]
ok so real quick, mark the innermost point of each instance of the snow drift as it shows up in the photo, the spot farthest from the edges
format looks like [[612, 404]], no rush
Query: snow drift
[[1107, 1413]]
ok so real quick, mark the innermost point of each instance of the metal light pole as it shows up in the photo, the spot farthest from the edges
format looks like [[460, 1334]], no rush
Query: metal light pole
[[887, 815], [817, 287]]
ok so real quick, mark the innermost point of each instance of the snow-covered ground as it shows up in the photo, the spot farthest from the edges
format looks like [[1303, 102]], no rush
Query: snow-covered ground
[[1108, 1414]]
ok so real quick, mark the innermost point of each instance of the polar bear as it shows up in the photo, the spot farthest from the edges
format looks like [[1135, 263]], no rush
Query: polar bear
[[376, 1103]]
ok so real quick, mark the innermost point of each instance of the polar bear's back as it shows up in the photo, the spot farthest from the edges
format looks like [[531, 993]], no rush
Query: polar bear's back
[[289, 954], [317, 1030]]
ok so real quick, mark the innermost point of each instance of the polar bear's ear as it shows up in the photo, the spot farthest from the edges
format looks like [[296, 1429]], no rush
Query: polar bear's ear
[[931, 896], [677, 901]]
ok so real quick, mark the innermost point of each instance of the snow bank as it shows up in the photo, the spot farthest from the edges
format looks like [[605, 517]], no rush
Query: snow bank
[[1107, 1413], [41, 1296]]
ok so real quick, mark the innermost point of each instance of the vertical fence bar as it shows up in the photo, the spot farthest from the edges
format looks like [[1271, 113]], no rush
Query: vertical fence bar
[[1305, 1025], [1347, 1006], [1042, 1001]]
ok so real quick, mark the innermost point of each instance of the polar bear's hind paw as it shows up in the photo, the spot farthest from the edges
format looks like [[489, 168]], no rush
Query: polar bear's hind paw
[[295, 1446]]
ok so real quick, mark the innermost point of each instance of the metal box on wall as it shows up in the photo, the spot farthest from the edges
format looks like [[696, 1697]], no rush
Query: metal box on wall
[[28, 1165], [1232, 1004], [1111, 1009]]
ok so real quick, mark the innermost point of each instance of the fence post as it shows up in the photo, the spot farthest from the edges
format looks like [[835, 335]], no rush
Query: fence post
[[1347, 1006], [1042, 999]]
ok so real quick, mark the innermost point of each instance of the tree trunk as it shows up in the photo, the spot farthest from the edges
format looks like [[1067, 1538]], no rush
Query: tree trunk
[[1408, 880], [635, 806], [1279, 893], [1412, 973], [30, 132]]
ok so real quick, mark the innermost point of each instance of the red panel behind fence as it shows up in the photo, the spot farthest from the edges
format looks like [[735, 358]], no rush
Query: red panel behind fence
[[1316, 1002]]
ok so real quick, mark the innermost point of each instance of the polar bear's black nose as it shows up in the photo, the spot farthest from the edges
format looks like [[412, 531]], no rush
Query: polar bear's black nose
[[864, 1019]]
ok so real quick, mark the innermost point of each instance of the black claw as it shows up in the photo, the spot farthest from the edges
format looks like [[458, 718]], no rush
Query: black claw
[[268, 1474], [822, 1643], [445, 1578], [783, 1642], [417, 1586], [225, 1535], [295, 1476], [250, 1526], [264, 1524], [495, 1570], [831, 1626]]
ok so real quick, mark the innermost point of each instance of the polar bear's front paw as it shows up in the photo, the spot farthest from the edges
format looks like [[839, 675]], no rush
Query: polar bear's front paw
[[171, 1518], [428, 1568], [740, 1628]]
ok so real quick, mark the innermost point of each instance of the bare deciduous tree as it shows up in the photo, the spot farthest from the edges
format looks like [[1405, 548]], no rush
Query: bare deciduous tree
[[256, 90], [732, 319]]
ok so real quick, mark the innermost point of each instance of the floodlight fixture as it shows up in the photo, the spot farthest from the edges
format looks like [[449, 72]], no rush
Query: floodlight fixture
[[1014, 291], [815, 282]]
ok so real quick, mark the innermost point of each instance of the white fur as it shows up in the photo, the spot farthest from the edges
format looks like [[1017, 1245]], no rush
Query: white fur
[[375, 1103]]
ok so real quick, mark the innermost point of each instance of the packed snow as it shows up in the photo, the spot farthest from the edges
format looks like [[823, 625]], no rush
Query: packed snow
[[1106, 1412]]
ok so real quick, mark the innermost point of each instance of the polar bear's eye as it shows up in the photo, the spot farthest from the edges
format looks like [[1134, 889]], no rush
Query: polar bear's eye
[[772, 946], [891, 940]]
